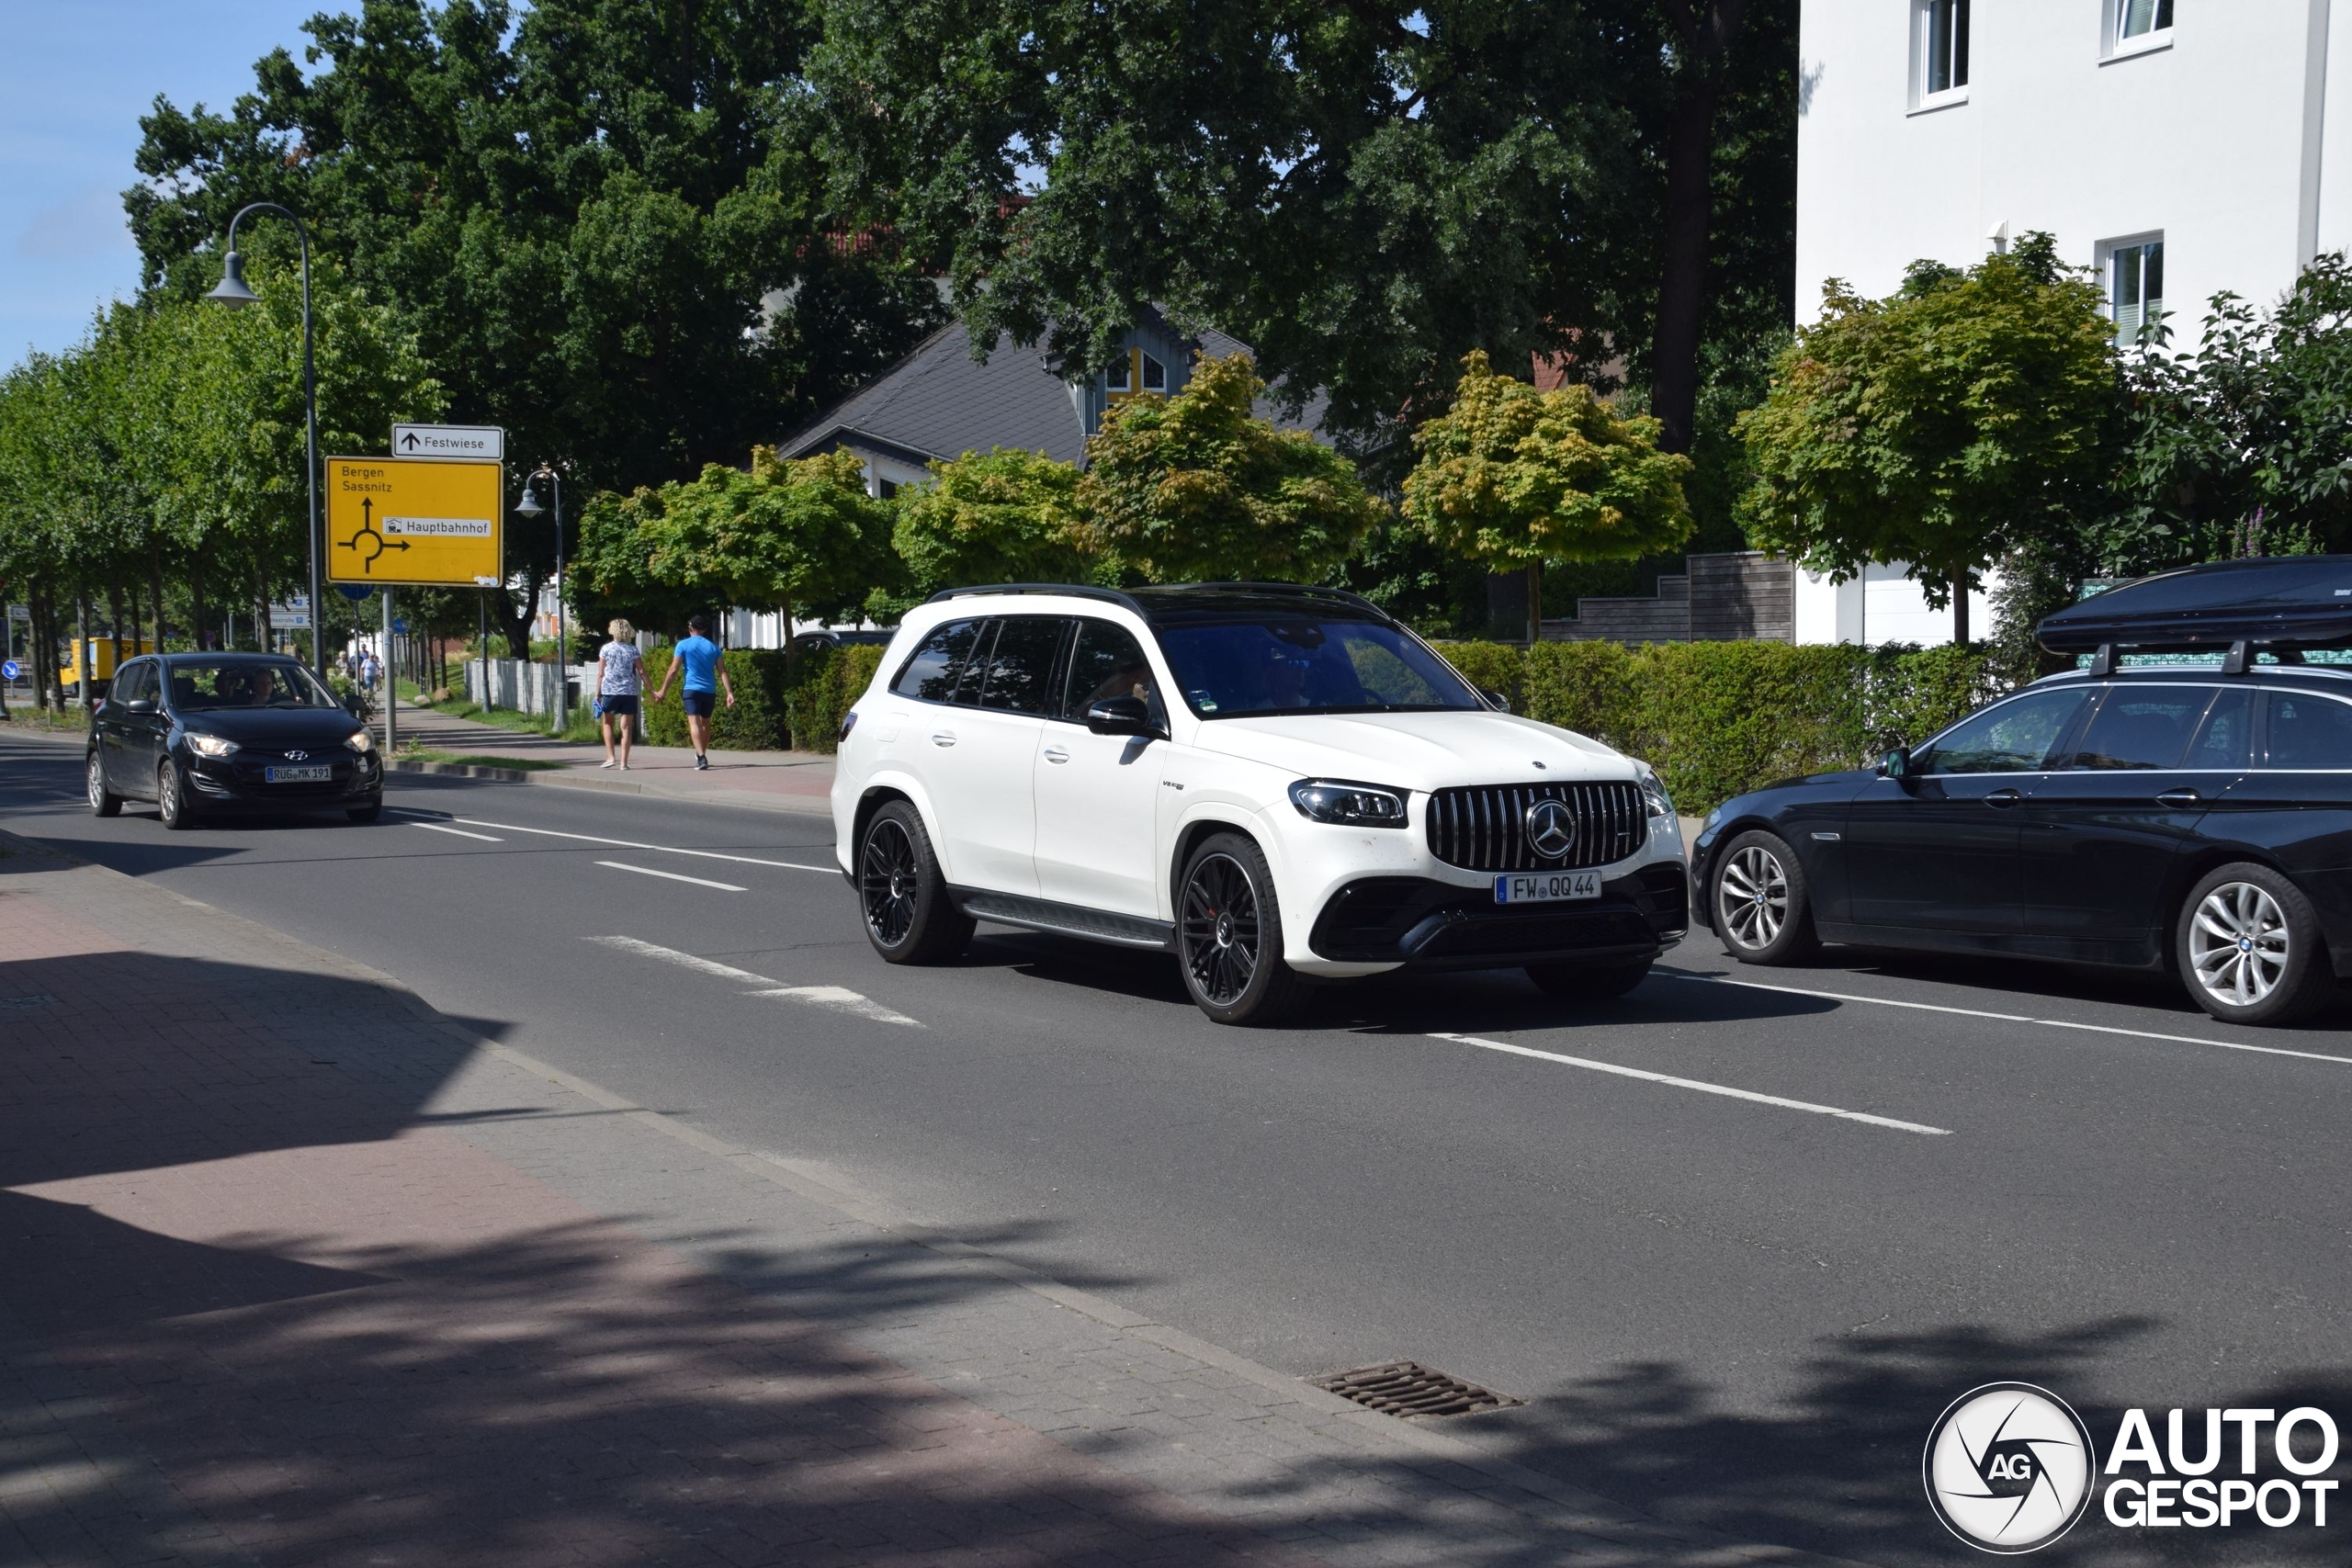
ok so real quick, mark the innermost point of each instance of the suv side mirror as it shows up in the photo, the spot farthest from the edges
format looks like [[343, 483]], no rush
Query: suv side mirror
[[1897, 764], [1495, 699], [351, 703], [1121, 716]]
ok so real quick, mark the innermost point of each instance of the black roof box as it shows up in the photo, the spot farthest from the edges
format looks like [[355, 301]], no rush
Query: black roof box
[[2301, 600]]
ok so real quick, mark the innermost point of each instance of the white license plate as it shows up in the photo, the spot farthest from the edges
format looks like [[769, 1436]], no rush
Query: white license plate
[[317, 773], [1547, 886]]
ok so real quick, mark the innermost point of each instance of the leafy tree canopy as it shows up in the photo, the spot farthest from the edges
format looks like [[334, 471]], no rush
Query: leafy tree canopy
[[2241, 444], [1363, 192], [1968, 416], [998, 517], [1198, 488], [800, 535]]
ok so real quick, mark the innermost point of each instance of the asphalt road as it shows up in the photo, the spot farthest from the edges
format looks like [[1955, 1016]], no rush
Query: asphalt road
[[1721, 1307]]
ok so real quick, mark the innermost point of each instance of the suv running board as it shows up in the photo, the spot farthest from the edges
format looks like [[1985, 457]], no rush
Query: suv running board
[[1068, 919]]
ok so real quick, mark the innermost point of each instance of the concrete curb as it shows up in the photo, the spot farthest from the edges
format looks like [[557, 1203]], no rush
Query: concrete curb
[[796, 806]]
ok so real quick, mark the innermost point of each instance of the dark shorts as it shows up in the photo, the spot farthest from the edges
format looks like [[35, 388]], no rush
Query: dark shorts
[[619, 702], [701, 703]]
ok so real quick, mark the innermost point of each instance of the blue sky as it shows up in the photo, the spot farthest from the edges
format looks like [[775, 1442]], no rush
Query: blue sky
[[75, 78]]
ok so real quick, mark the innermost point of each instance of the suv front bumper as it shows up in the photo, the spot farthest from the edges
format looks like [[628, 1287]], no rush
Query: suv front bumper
[[1429, 924]]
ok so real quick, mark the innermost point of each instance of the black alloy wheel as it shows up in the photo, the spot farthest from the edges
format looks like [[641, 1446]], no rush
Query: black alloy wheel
[[1229, 935], [1760, 906], [909, 917], [104, 802], [172, 802]]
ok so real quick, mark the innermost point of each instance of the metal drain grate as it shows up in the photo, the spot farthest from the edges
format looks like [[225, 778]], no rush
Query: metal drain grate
[[1410, 1389]]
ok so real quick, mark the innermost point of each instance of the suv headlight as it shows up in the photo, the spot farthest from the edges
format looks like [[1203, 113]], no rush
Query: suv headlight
[[1346, 805], [1654, 795], [210, 745], [362, 743]]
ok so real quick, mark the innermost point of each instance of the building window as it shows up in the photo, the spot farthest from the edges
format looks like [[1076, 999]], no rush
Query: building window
[[2138, 18], [887, 489], [1155, 374], [2136, 287], [1119, 377], [1943, 48]]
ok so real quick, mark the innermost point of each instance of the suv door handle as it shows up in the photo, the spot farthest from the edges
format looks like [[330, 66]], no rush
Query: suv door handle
[[2002, 799], [2179, 798], [942, 738], [1056, 754]]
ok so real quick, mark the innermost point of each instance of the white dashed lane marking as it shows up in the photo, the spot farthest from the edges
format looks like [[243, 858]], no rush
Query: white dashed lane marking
[[460, 832], [841, 998], [1703, 1087], [671, 876], [657, 848]]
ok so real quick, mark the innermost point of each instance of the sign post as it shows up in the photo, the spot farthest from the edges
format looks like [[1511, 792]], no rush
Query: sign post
[[424, 524], [392, 685]]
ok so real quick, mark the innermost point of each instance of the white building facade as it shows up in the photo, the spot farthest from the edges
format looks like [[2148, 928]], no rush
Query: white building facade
[[2179, 147]]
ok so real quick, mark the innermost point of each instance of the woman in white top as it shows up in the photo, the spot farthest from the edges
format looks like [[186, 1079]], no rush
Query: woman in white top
[[620, 676]]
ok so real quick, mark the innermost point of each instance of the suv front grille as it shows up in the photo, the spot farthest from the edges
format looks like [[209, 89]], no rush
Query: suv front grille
[[1483, 827]]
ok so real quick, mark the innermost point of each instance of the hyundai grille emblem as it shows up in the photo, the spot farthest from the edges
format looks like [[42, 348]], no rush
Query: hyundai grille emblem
[[1551, 828], [296, 756]]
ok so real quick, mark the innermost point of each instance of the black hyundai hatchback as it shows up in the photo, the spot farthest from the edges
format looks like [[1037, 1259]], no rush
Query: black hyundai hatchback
[[199, 732], [2193, 814]]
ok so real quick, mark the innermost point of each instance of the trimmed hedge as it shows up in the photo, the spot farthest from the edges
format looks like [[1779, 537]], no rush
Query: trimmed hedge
[[824, 684], [1717, 719], [756, 722]]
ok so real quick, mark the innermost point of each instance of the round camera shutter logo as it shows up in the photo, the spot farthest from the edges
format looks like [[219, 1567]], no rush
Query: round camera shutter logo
[[2009, 1468]]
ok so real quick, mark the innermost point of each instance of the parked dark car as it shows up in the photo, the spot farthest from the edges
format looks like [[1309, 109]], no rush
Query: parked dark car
[[2194, 817], [204, 732]]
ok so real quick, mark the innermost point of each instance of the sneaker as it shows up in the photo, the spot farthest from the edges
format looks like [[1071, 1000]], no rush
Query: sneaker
[[608, 762], [702, 763]]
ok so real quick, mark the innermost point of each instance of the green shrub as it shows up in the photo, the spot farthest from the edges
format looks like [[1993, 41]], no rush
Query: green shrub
[[1720, 718], [823, 686], [756, 722]]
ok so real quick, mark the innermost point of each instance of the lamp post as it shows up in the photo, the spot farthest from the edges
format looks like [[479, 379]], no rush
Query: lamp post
[[529, 507], [233, 292]]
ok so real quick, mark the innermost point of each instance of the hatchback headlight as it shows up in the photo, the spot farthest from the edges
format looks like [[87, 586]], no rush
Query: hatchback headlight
[[1347, 804], [210, 745], [1654, 795], [362, 743]]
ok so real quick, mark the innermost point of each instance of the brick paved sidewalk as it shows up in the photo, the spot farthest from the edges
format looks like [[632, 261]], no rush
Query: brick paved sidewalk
[[293, 1270]]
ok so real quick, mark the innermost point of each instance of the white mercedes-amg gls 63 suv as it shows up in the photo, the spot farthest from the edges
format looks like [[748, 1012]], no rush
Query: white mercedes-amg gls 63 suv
[[1268, 782]]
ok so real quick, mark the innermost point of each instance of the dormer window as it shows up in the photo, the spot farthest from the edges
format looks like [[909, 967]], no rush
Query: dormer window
[[1155, 374], [1119, 378]]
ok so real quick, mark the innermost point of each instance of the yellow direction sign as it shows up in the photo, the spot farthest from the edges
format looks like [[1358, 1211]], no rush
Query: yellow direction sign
[[397, 520]]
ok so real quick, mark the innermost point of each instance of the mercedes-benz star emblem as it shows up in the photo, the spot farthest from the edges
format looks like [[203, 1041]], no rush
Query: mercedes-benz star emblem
[[2009, 1468], [1551, 828], [296, 756]]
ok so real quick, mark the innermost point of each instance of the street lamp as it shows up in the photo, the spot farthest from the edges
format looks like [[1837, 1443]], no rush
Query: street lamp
[[529, 507], [232, 291]]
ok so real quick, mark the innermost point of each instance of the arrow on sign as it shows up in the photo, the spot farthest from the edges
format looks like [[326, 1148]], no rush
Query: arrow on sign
[[410, 441]]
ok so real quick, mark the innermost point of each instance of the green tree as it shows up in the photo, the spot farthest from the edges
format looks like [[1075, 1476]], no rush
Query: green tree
[[1198, 487], [599, 219], [2239, 446], [1514, 476], [1970, 415], [1004, 515], [802, 535], [1363, 192]]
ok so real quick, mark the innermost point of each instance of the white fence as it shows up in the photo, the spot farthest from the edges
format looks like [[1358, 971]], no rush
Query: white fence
[[514, 685]]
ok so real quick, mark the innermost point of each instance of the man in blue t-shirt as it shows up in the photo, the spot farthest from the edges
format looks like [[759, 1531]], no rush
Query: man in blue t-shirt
[[705, 675]]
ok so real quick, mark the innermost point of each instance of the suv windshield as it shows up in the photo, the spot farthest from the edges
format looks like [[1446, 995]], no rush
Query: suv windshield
[[1309, 664], [246, 684]]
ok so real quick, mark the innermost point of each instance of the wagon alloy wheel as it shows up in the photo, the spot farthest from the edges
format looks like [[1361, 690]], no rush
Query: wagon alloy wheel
[[1221, 936], [2239, 944], [1752, 897], [888, 878]]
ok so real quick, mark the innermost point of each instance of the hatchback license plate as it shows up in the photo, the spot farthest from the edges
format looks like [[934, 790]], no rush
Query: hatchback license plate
[[317, 773], [1547, 886]]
